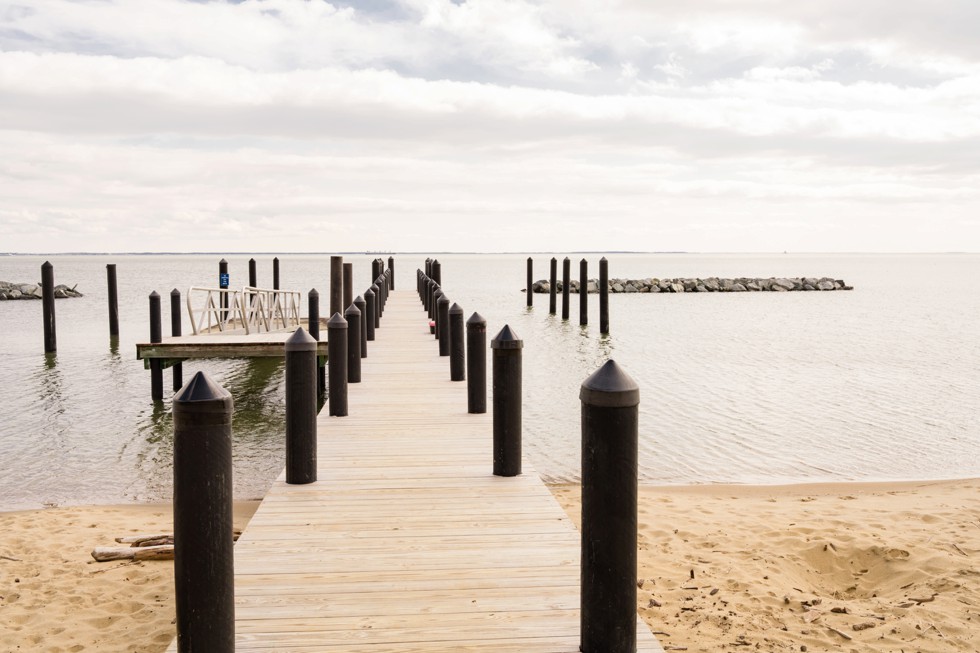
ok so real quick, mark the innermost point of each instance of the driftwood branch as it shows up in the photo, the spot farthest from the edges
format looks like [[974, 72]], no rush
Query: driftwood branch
[[108, 553]]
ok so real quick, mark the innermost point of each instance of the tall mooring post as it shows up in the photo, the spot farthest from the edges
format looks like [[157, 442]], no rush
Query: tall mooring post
[[610, 408], [603, 295], [457, 344], [445, 336], [336, 284], [566, 286], [391, 266], [553, 280], [507, 373], [583, 292], [369, 314], [362, 308], [253, 273], [156, 335], [529, 289], [313, 327], [175, 330], [348, 284], [110, 274], [301, 399], [275, 273], [224, 281], [204, 567], [353, 317], [47, 308]]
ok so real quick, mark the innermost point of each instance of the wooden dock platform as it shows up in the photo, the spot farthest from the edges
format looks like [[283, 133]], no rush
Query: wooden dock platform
[[259, 345], [407, 543]]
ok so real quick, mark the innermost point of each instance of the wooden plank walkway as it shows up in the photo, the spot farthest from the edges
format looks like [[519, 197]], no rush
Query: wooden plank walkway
[[408, 543], [235, 345]]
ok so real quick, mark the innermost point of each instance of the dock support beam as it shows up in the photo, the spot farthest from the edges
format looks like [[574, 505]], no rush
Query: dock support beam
[[175, 330], [583, 292], [603, 295], [530, 282], [566, 283], [156, 335]]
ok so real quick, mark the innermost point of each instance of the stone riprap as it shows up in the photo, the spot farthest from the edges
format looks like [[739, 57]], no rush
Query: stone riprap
[[708, 284], [33, 291]]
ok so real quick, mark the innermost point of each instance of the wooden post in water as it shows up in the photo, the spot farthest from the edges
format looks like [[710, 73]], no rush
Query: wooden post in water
[[204, 561], [348, 284], [253, 273], [156, 335], [110, 273], [583, 292], [391, 266], [301, 395], [313, 327], [175, 330], [442, 326], [530, 282], [610, 408], [275, 273], [437, 271], [566, 285], [47, 308], [506, 346], [603, 295], [336, 285], [553, 279]]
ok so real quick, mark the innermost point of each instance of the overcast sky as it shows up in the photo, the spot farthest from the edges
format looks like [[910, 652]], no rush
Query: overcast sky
[[489, 125]]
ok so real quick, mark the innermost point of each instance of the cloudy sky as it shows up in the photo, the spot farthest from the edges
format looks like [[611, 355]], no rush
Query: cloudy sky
[[489, 125]]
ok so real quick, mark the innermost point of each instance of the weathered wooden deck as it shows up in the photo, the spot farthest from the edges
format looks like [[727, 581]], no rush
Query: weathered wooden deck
[[407, 542]]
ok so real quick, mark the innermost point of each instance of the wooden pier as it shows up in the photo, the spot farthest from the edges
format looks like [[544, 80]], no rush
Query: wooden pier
[[407, 542]]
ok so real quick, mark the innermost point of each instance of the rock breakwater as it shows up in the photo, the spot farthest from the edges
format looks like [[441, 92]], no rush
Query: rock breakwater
[[33, 291], [708, 284]]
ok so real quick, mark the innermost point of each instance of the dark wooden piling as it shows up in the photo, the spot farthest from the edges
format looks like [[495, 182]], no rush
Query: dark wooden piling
[[337, 364], [353, 317], [253, 273], [476, 364], [348, 284], [391, 266], [336, 284], [603, 295], [566, 286], [553, 290], [457, 344], [275, 273], [529, 289], [301, 400], [362, 307], [224, 282], [583, 292], [110, 273], [506, 346], [156, 335], [369, 314], [313, 327], [610, 402], [204, 567], [47, 308], [175, 330]]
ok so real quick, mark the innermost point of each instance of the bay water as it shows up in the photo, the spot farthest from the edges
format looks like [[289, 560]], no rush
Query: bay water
[[878, 383]]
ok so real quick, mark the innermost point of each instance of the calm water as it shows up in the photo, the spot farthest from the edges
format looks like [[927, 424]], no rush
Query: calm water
[[879, 383]]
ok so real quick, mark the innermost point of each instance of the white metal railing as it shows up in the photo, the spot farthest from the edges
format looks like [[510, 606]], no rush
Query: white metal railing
[[215, 307], [270, 309], [250, 309]]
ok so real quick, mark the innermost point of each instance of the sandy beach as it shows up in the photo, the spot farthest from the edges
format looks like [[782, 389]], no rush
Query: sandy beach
[[844, 567]]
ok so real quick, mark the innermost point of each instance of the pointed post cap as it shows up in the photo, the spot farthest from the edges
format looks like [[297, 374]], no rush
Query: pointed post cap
[[154, 295], [46, 264], [300, 341], [602, 259], [359, 301], [337, 321], [175, 293], [506, 338], [477, 320], [455, 309], [223, 261], [567, 259], [352, 311], [443, 298], [369, 293], [438, 292], [203, 395], [610, 387], [376, 288], [529, 258], [314, 292], [554, 260]]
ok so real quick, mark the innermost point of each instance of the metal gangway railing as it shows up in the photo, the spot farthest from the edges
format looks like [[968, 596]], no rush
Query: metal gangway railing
[[250, 309]]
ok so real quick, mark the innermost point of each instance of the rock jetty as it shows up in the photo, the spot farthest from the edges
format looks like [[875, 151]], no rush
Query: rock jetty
[[708, 284], [33, 291]]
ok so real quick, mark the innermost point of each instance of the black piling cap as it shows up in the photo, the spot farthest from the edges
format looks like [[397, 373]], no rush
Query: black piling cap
[[300, 341], [359, 301], [154, 295], [477, 320], [566, 258], [314, 293], [337, 321], [369, 293], [175, 293], [610, 387], [455, 309], [507, 339], [202, 395], [222, 261], [376, 288], [352, 311], [46, 265], [443, 299]]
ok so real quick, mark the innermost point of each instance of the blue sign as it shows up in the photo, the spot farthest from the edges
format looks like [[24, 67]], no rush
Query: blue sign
[[223, 279]]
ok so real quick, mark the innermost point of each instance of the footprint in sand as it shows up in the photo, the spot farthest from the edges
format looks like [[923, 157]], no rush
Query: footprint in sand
[[897, 554]]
